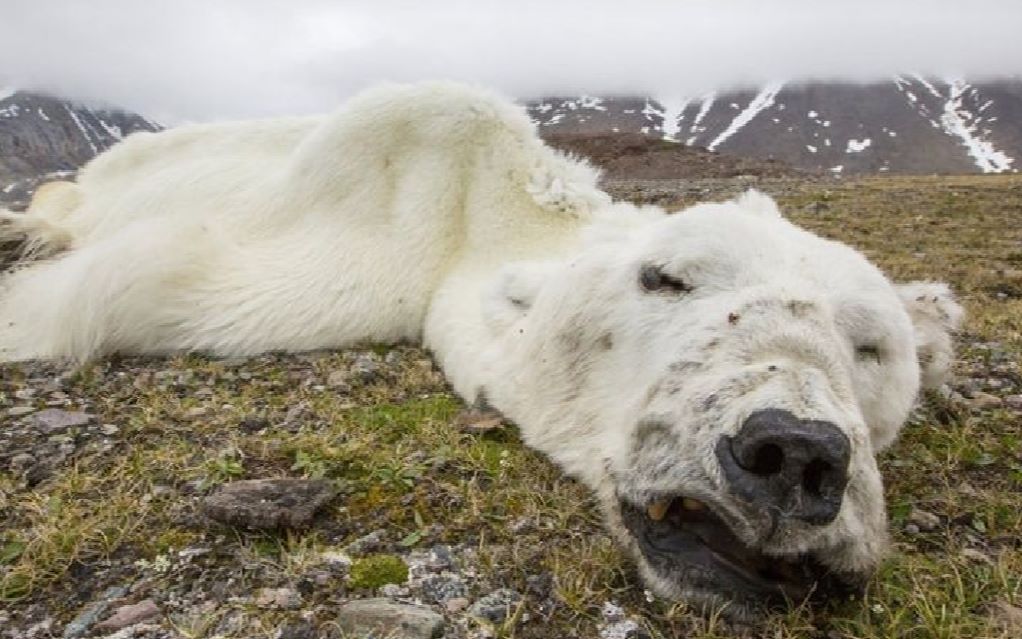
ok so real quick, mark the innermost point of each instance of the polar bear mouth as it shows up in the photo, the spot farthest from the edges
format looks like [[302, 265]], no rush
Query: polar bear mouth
[[686, 543]]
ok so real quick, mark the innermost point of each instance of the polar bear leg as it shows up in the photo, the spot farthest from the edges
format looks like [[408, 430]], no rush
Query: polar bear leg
[[40, 229], [115, 294]]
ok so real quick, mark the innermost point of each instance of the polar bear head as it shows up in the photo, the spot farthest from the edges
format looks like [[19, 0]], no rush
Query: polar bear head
[[723, 380]]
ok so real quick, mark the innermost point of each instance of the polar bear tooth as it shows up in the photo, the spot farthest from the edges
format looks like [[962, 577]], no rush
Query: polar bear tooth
[[658, 509], [692, 504]]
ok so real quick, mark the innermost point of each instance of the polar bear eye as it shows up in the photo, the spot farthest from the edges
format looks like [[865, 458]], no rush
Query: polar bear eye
[[654, 280], [868, 352]]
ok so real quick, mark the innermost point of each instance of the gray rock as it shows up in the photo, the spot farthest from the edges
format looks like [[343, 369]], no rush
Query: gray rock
[[394, 591], [1014, 402], [20, 411], [626, 629], [37, 474], [926, 521], [496, 606], [264, 504], [338, 380], [382, 618], [976, 555], [88, 616], [981, 401], [440, 556], [617, 625], [1008, 617], [282, 598], [479, 421], [21, 463], [144, 631], [300, 630], [365, 368], [130, 615], [39, 629], [53, 420], [366, 543], [441, 588], [456, 605]]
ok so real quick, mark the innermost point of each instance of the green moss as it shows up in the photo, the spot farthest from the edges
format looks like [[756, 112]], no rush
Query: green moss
[[378, 570]]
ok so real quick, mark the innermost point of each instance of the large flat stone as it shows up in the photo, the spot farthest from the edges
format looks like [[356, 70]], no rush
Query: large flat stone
[[53, 420], [265, 504], [382, 618]]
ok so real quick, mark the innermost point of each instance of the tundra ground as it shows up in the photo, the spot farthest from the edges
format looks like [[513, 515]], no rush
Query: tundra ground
[[494, 538]]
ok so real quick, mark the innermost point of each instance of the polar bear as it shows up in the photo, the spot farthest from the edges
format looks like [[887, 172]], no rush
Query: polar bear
[[721, 378]]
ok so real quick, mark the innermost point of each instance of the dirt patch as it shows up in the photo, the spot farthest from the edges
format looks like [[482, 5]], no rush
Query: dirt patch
[[640, 157]]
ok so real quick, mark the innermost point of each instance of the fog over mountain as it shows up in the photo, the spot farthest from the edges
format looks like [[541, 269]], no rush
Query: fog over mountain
[[196, 60], [914, 86]]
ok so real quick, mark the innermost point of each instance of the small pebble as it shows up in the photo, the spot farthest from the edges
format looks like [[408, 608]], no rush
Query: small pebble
[[975, 555], [456, 605], [282, 598], [983, 400], [130, 615], [21, 462], [924, 520]]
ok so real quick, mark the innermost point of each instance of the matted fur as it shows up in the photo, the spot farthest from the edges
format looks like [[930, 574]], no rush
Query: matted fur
[[434, 212]]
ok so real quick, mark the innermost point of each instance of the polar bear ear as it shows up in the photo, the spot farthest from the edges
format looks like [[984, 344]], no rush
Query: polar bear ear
[[758, 202], [513, 292], [935, 314]]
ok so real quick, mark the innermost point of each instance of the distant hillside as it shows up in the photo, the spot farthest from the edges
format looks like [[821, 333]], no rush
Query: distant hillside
[[42, 135], [907, 125], [640, 157]]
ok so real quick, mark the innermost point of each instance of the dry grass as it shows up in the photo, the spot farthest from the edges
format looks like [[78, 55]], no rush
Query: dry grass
[[110, 516]]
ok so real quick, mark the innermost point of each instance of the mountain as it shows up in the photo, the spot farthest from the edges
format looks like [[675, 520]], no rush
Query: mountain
[[42, 135], [909, 124]]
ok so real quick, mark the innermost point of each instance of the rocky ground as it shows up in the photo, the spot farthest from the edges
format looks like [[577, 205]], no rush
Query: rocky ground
[[156, 497]]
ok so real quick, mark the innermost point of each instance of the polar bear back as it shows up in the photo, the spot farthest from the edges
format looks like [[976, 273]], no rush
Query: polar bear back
[[296, 233]]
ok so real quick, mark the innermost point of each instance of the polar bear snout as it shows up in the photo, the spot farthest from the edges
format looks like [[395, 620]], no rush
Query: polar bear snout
[[789, 467]]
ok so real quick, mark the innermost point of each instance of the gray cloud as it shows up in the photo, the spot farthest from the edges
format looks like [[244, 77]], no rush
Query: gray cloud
[[200, 60]]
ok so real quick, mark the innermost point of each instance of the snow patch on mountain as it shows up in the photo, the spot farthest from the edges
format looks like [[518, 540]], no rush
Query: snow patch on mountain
[[959, 122], [909, 124], [671, 112], [42, 135], [704, 108], [81, 127], [763, 100], [858, 146]]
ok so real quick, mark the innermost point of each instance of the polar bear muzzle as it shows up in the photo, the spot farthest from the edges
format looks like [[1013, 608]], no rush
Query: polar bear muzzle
[[792, 468]]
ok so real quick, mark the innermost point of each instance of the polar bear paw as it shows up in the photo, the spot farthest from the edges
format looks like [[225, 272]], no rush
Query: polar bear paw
[[36, 238]]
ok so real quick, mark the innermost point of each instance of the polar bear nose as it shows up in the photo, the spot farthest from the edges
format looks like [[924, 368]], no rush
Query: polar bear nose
[[794, 467]]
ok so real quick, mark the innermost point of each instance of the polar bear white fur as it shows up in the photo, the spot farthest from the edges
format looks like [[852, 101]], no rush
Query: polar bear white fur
[[434, 213]]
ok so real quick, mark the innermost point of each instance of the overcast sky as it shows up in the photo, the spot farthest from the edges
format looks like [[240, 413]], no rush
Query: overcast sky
[[213, 59]]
